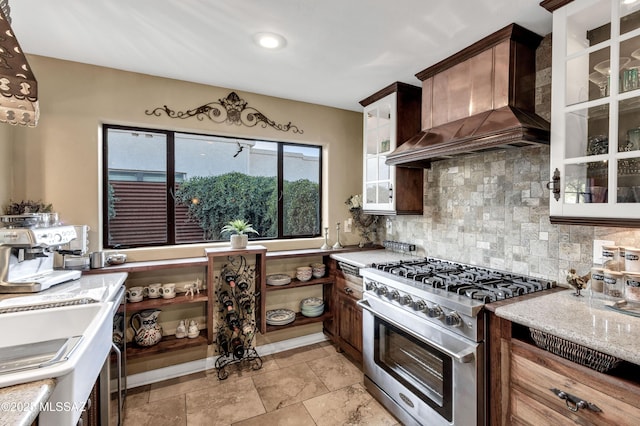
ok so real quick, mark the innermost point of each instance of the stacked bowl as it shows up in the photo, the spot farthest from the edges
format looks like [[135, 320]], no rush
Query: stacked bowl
[[303, 273], [312, 307], [317, 270]]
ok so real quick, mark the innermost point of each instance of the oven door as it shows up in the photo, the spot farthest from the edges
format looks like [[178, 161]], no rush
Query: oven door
[[417, 368]]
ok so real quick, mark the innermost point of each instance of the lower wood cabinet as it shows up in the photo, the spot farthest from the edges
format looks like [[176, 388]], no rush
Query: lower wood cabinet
[[538, 376], [348, 315], [524, 382]]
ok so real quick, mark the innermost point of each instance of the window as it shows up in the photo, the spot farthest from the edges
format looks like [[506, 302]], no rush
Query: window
[[165, 187]]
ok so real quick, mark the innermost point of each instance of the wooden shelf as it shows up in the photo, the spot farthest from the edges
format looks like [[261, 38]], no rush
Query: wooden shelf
[[151, 265], [160, 302], [167, 344], [301, 320], [297, 283]]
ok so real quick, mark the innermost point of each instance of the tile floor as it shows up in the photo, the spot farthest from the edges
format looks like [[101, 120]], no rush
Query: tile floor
[[313, 385]]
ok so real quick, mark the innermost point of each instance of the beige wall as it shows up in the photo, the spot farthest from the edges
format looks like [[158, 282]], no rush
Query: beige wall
[[6, 167], [59, 160]]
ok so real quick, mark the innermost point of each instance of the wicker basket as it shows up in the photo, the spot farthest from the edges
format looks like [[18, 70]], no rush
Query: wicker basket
[[579, 354], [349, 269]]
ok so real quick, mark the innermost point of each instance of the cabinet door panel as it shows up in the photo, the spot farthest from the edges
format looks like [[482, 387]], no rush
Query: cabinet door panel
[[536, 380]]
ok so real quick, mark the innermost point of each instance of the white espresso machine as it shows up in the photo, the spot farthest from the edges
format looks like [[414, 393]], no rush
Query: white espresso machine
[[27, 255]]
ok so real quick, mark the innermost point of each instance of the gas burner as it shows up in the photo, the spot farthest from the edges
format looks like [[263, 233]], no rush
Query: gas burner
[[474, 282]]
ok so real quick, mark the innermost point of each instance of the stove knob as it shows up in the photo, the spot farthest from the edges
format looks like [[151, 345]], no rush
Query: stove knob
[[419, 305], [453, 319], [406, 300], [370, 286], [381, 290], [393, 295], [435, 312]]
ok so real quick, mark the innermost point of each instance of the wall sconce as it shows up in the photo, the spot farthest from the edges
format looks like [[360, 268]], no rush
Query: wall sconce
[[18, 86]]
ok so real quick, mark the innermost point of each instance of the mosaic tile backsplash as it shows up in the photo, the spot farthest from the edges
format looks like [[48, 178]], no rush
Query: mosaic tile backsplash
[[492, 209]]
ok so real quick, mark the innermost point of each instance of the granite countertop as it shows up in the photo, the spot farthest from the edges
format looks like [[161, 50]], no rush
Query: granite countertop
[[363, 259], [20, 404], [583, 320]]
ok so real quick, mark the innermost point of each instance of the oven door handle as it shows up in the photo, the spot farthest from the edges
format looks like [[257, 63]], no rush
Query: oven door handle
[[463, 356]]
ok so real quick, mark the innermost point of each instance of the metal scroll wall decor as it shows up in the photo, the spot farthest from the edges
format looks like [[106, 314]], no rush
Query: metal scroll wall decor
[[230, 110]]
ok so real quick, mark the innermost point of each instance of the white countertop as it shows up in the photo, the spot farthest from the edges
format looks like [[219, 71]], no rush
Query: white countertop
[[101, 287], [363, 259], [582, 320]]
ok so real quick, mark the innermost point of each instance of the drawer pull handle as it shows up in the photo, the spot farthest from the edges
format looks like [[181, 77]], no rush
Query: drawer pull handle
[[348, 290], [574, 403]]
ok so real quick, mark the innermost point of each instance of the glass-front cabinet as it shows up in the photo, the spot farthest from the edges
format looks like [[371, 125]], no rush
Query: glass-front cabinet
[[595, 125], [379, 141], [391, 116]]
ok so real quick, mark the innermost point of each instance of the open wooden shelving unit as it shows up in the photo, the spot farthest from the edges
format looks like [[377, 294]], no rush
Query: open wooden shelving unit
[[211, 259]]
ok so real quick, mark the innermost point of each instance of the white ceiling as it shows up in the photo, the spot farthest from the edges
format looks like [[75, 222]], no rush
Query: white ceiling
[[338, 51]]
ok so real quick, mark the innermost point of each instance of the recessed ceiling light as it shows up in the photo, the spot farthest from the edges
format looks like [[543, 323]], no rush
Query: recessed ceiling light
[[270, 40], [629, 1]]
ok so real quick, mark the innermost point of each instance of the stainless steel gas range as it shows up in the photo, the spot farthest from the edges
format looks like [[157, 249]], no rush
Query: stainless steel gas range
[[424, 334]]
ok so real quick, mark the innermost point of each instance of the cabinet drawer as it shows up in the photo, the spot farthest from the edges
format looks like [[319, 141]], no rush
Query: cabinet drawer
[[527, 411], [349, 285], [535, 372]]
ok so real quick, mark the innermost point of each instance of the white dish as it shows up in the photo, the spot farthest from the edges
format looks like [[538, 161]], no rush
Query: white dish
[[311, 302], [278, 279], [280, 316]]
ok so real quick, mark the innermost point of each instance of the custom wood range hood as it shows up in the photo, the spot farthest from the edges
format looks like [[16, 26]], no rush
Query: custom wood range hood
[[479, 99]]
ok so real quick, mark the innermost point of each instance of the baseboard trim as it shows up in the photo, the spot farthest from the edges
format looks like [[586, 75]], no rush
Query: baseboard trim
[[173, 371]]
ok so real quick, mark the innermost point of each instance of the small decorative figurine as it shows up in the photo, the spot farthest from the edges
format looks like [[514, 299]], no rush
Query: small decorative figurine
[[193, 330], [181, 330], [577, 282]]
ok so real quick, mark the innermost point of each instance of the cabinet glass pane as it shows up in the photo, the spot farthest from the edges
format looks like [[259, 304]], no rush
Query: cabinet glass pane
[[586, 183], [629, 15], [587, 132], [383, 169], [587, 77], [629, 125], [384, 135], [371, 193], [372, 142], [372, 169], [384, 192], [629, 180], [589, 25], [372, 119], [629, 64]]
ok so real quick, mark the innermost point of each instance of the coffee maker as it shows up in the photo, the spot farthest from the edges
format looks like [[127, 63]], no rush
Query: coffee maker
[[27, 255]]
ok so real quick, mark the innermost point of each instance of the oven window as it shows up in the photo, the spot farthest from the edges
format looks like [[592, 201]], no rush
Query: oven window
[[421, 368]]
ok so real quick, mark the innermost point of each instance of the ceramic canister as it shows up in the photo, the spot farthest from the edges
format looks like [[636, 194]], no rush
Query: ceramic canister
[[597, 280], [632, 259], [611, 258], [613, 284], [632, 287]]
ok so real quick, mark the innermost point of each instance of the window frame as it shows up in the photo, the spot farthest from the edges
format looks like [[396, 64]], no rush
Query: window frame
[[170, 185]]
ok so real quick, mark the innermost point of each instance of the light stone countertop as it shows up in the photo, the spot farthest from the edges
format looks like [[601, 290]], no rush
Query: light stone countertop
[[101, 287], [582, 320], [363, 259], [20, 404]]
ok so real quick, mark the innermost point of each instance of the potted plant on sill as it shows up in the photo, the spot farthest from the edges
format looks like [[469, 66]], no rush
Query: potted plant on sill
[[239, 229]]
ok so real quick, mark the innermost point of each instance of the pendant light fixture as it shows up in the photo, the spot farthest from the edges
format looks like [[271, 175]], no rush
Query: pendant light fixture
[[18, 86]]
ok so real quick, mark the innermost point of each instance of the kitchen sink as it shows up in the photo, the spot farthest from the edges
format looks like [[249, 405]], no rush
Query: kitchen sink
[[69, 344]]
